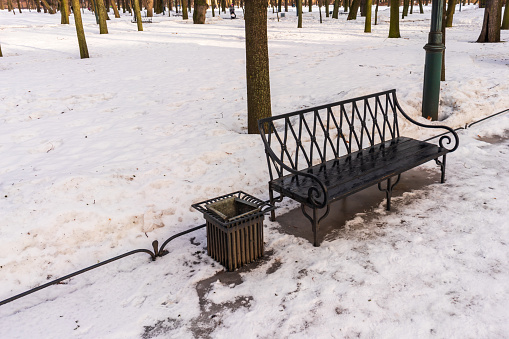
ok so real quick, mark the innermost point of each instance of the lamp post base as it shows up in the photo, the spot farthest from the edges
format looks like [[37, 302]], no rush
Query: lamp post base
[[432, 71]]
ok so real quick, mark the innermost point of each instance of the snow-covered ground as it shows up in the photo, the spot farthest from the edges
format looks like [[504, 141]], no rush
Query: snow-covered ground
[[104, 155]]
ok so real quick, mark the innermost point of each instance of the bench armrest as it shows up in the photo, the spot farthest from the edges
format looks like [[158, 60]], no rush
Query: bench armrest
[[443, 139], [317, 195]]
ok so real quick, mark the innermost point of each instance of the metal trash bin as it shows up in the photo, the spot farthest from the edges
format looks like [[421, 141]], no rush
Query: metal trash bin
[[234, 228]]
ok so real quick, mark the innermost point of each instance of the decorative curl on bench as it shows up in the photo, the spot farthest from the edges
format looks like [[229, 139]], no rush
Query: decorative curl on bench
[[325, 153]]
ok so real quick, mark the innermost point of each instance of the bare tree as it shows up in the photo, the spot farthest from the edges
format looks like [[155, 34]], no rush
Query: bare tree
[[79, 29], [185, 15], [257, 64], [200, 11], [150, 8], [353, 10], [376, 12], [299, 9], [101, 11], [367, 24], [335, 9], [47, 7], [137, 13], [64, 14], [491, 26], [115, 9], [394, 21], [451, 6]]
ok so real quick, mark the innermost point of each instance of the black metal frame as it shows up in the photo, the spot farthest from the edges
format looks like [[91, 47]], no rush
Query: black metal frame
[[296, 141], [264, 207]]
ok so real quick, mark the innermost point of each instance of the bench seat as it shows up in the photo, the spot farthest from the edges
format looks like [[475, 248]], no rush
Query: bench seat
[[359, 170]]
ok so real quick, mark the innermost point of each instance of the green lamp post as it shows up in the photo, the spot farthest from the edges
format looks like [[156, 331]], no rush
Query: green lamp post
[[433, 63]]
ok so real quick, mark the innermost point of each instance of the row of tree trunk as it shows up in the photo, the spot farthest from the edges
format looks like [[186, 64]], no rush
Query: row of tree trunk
[[157, 6]]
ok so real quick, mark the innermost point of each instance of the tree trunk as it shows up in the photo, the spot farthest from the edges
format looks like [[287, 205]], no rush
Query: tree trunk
[[1, 55], [213, 8], [411, 6], [115, 9], [200, 11], [299, 9], [363, 8], [47, 7], [310, 2], [184, 10], [79, 29], [101, 11], [320, 9], [326, 8], [2, 5], [367, 24], [346, 5], [9, 5], [257, 64], [335, 10], [451, 5], [64, 15], [376, 12], [353, 10], [150, 8], [491, 25], [405, 8], [421, 10], [394, 23], [137, 13], [505, 22]]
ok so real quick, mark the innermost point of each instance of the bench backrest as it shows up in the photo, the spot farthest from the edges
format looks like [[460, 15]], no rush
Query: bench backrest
[[315, 135]]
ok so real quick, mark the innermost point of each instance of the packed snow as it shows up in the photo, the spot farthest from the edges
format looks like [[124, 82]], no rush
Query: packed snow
[[101, 156]]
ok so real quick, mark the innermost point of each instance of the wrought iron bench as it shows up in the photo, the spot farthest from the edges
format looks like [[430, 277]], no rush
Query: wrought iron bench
[[322, 154], [144, 19]]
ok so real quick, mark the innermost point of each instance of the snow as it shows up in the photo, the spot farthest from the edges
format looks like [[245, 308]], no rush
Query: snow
[[104, 155]]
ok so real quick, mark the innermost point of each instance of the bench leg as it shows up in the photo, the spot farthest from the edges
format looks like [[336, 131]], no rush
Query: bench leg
[[315, 221], [314, 227], [442, 167], [388, 190], [272, 202]]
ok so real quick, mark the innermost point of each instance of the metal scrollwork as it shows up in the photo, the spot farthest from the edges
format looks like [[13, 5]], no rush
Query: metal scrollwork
[[446, 137], [448, 142]]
